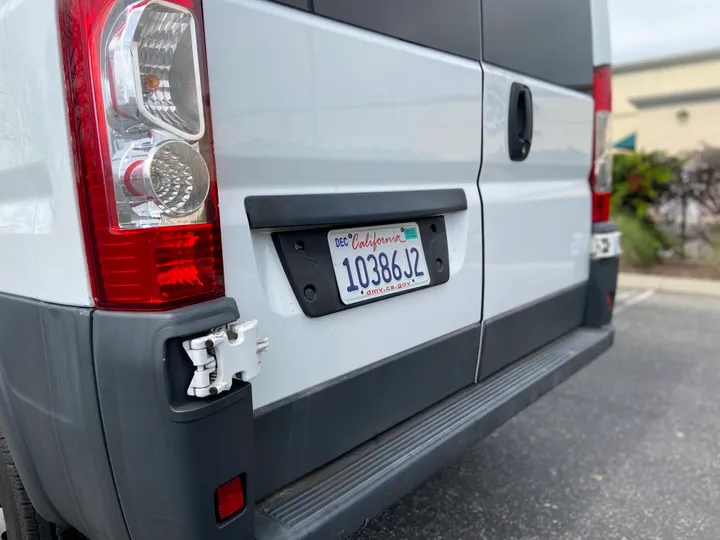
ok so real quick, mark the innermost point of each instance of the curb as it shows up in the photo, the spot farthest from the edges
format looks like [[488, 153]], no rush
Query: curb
[[669, 284]]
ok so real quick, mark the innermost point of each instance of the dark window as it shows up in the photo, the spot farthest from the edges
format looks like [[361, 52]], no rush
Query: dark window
[[547, 39], [300, 4], [448, 25]]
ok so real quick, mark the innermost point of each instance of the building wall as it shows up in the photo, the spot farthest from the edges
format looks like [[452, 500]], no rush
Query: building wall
[[657, 127]]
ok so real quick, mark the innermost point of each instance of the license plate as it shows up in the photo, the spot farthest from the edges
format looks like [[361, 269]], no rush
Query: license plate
[[372, 262]]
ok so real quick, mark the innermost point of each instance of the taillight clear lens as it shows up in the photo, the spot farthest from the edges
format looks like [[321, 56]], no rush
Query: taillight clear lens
[[170, 182], [152, 96], [603, 152], [178, 178], [154, 68], [136, 81]]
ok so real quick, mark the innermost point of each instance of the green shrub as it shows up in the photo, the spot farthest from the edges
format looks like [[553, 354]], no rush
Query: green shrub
[[641, 243], [639, 179]]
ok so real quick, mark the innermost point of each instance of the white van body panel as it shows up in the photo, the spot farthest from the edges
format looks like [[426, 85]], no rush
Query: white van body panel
[[602, 50], [536, 212], [302, 104], [42, 254]]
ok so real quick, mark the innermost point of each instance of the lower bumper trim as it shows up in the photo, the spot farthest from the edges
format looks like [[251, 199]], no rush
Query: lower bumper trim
[[336, 500]]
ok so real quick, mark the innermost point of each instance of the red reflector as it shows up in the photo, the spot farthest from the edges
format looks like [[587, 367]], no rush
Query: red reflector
[[229, 499], [601, 207]]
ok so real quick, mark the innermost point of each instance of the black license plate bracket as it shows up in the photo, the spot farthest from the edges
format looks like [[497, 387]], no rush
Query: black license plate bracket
[[305, 256]]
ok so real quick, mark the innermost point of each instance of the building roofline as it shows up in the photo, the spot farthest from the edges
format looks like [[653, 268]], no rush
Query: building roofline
[[692, 96], [667, 61]]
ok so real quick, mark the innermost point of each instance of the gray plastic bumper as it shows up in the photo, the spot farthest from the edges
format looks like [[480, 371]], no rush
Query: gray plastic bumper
[[95, 410], [50, 415], [602, 283]]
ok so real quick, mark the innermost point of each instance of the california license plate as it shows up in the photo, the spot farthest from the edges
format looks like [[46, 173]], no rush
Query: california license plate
[[372, 262]]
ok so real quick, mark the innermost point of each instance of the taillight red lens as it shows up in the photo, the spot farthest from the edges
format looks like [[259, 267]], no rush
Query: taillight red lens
[[602, 88], [602, 163], [135, 261], [601, 207]]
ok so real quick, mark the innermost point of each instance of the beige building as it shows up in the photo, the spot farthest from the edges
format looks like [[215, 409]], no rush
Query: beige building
[[670, 104]]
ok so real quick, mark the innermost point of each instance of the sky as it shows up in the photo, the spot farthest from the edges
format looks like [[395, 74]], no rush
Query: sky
[[642, 29]]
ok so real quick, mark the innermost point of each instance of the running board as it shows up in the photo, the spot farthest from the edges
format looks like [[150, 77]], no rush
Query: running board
[[335, 501]]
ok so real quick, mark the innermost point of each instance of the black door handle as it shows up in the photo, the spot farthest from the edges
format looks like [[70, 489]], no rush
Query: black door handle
[[520, 122]]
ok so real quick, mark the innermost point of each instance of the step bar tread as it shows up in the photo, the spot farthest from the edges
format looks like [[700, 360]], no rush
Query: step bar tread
[[325, 499]]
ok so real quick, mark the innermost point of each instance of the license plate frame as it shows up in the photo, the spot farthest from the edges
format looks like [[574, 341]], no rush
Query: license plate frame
[[306, 258]]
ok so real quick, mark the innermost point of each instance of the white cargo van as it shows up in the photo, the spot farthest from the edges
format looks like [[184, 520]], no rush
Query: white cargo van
[[266, 266]]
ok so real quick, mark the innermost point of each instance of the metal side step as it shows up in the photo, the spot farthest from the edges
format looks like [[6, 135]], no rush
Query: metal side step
[[338, 499]]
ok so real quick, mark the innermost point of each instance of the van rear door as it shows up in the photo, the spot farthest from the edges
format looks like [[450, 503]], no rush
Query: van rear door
[[327, 136], [537, 62]]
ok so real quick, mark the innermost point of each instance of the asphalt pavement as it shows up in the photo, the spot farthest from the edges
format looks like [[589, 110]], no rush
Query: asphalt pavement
[[627, 449]]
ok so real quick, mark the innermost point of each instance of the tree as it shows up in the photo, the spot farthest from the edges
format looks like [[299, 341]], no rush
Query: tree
[[703, 172], [696, 191]]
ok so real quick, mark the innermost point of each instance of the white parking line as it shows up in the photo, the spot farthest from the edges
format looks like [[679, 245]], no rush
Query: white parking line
[[628, 299]]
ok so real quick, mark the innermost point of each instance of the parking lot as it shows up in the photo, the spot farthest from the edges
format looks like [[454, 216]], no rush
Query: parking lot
[[627, 449]]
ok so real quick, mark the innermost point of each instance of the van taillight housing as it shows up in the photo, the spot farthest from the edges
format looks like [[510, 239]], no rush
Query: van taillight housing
[[602, 163], [137, 93]]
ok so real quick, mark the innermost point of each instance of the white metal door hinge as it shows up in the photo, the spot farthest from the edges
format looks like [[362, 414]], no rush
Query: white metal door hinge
[[231, 351], [605, 245]]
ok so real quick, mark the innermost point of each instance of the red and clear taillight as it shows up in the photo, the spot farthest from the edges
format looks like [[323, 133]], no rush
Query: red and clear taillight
[[137, 94], [602, 165]]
